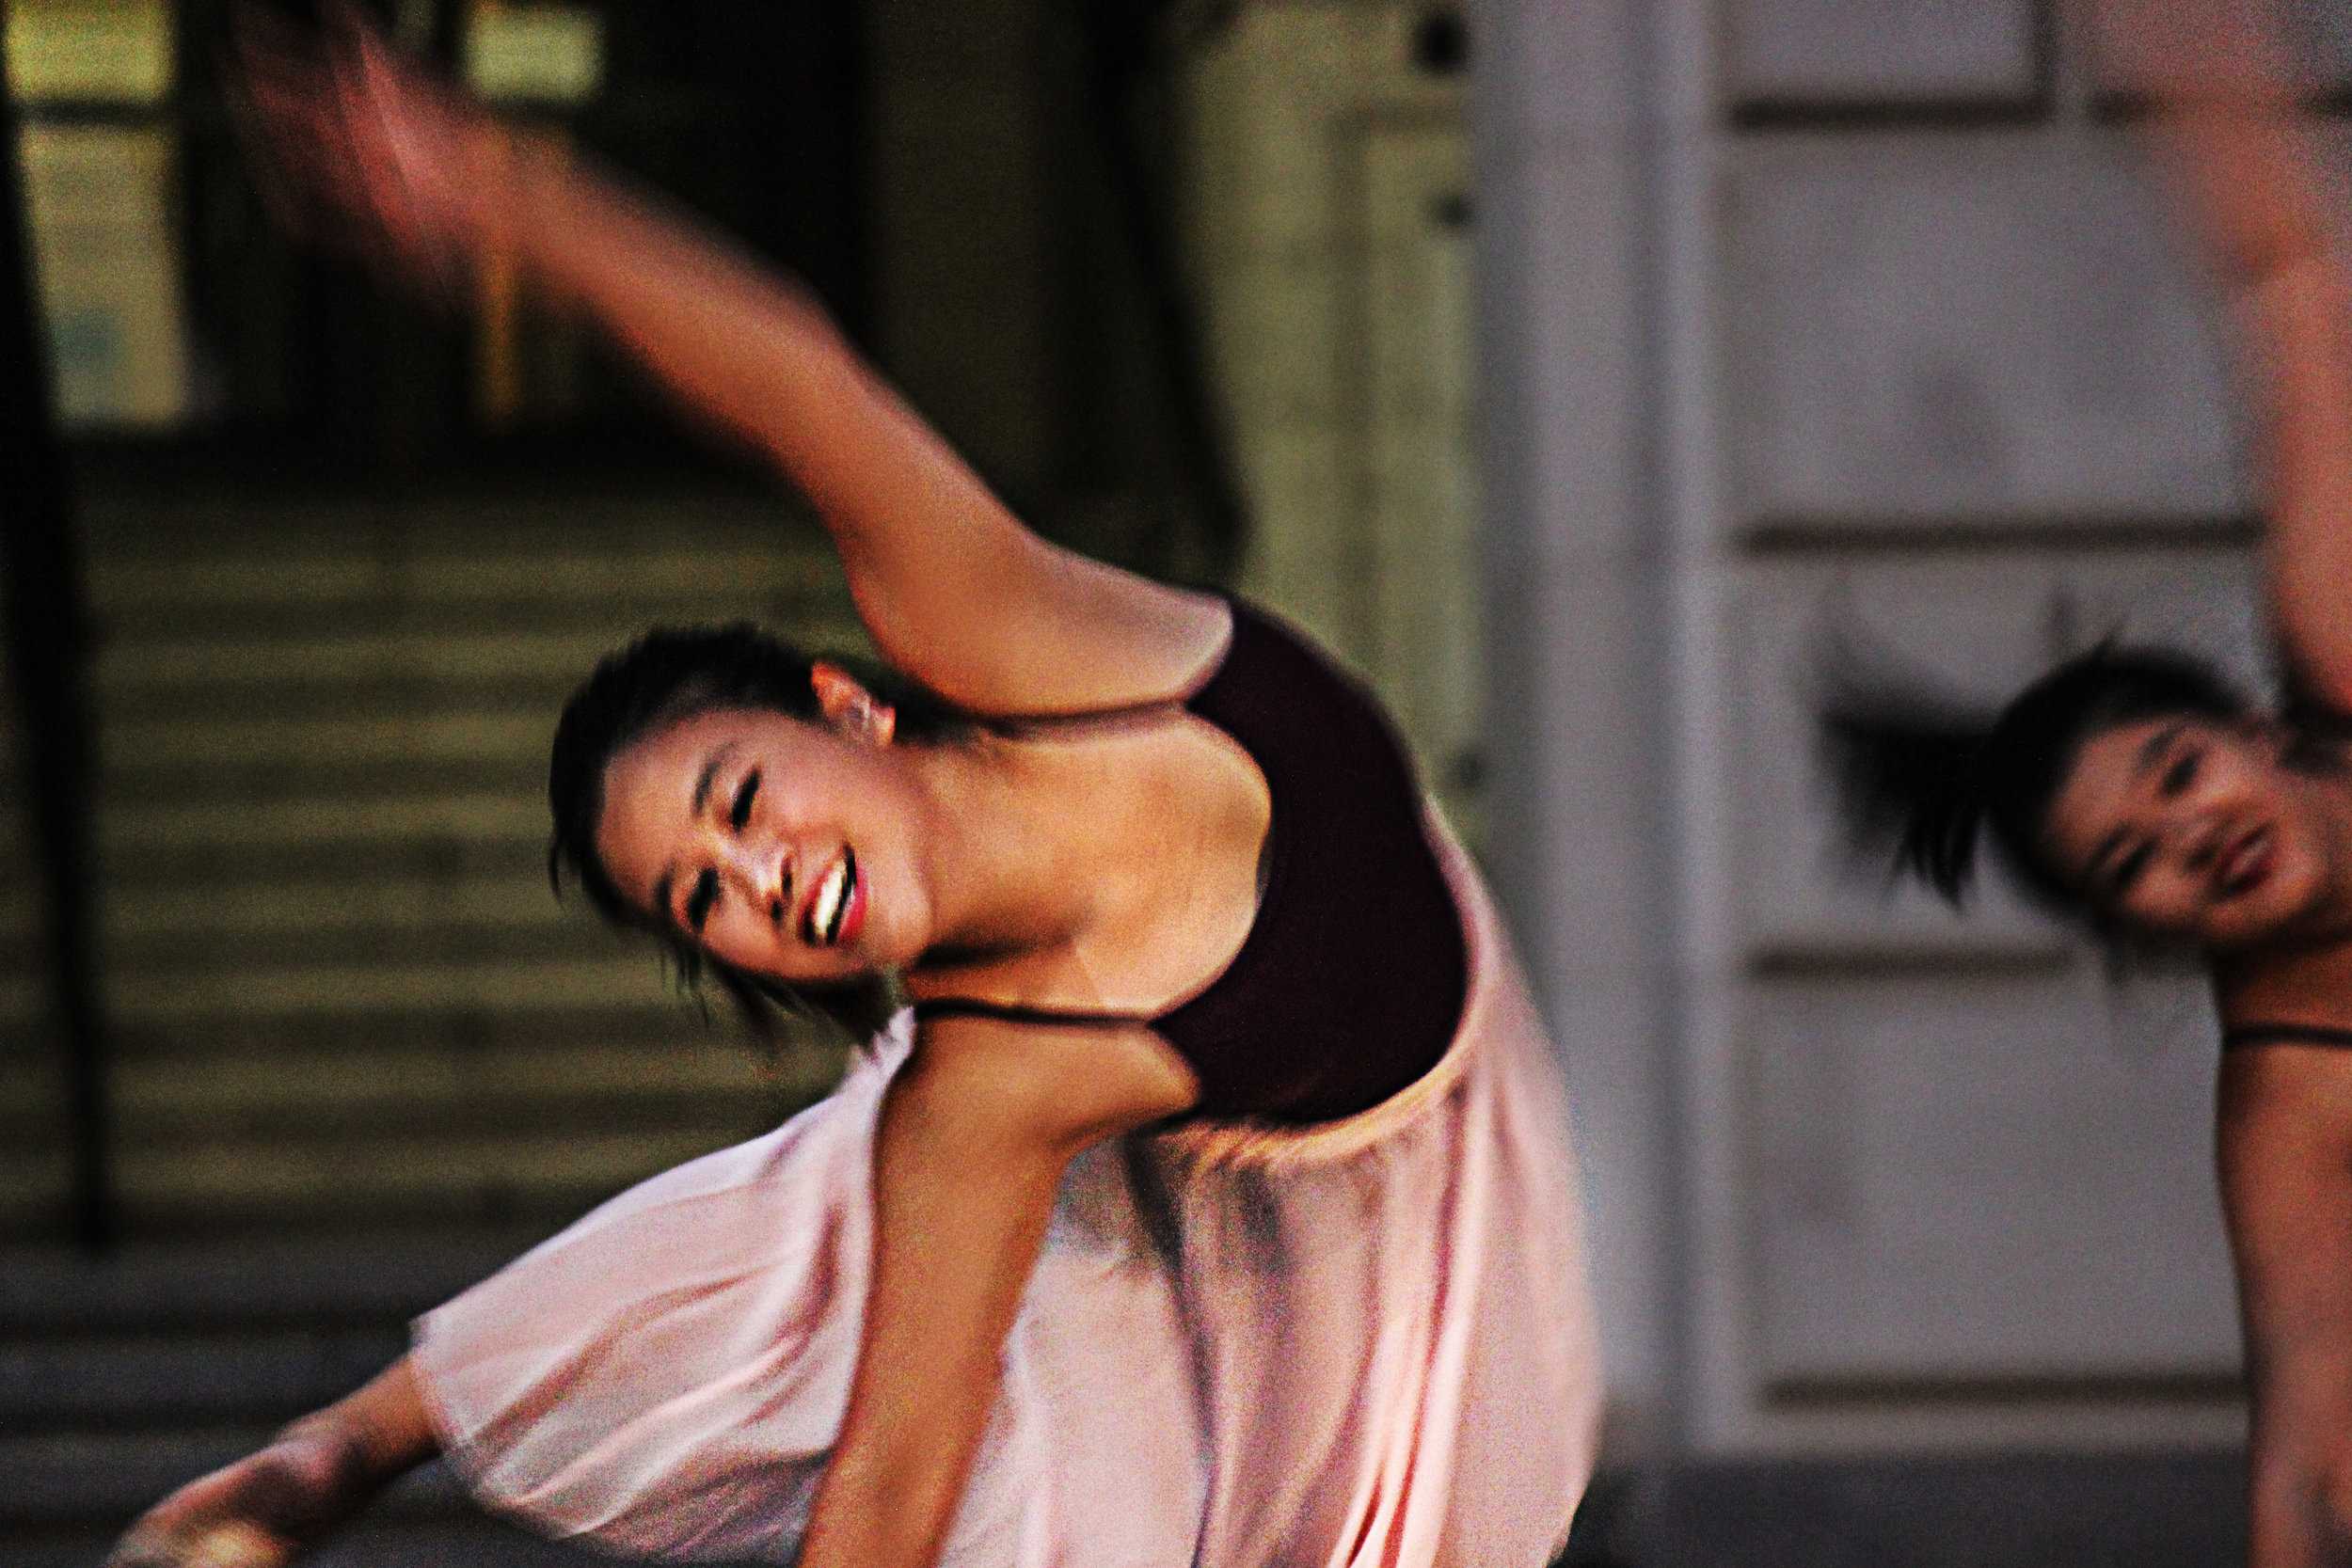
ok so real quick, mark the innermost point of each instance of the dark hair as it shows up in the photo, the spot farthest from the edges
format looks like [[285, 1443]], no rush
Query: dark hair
[[1927, 778], [671, 674]]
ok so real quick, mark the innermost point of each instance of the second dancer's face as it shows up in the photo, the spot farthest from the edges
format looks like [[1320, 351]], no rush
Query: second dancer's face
[[781, 846], [2196, 829]]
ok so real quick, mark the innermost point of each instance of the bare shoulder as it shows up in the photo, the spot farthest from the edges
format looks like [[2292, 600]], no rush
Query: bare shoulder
[[1080, 1081], [2284, 1123], [2288, 1092], [1028, 626], [2283, 1106], [2306, 986], [2284, 1147]]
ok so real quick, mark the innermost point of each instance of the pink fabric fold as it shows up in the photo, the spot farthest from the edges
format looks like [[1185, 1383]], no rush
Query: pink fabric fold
[[1367, 1343]]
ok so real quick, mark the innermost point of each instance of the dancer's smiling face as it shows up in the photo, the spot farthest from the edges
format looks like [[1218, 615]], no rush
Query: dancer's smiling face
[[782, 846], [2195, 829]]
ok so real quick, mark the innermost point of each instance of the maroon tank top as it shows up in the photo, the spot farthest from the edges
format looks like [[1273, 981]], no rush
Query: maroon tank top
[[1350, 983]]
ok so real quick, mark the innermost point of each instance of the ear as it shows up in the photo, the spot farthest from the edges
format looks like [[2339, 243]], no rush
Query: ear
[[849, 707]]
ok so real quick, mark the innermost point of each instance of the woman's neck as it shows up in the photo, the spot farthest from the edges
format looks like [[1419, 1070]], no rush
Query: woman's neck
[[1006, 849], [1107, 870], [2331, 919]]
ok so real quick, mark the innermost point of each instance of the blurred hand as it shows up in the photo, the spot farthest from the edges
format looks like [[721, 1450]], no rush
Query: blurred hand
[[2191, 51], [2222, 77], [262, 1512], [355, 145], [234, 1545]]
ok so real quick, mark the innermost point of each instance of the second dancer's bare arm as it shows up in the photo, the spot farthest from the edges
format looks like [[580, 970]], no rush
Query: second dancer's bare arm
[[2227, 131], [2286, 1150], [2225, 126]]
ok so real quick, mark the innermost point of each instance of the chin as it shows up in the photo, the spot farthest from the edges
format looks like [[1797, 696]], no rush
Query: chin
[[2291, 904], [2241, 934]]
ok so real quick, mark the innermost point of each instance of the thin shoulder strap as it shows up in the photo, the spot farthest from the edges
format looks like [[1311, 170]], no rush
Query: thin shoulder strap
[[966, 1007], [2286, 1033]]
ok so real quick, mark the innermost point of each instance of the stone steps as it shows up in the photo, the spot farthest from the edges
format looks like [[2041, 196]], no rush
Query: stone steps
[[122, 1377], [34, 1127], [180, 1092], [378, 1541], [2125, 1509], [91, 1385], [338, 981], [265, 1279], [361, 1055]]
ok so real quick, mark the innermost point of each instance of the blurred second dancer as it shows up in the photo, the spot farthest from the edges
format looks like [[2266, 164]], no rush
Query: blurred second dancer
[[2135, 788]]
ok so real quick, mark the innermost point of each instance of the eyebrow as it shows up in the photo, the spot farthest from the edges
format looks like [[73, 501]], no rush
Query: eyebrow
[[667, 883], [2154, 748], [709, 772], [2151, 752]]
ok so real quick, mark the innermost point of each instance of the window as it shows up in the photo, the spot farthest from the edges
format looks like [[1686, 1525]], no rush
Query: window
[[182, 321]]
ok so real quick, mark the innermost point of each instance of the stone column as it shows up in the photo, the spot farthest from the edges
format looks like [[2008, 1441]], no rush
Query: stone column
[[1577, 558]]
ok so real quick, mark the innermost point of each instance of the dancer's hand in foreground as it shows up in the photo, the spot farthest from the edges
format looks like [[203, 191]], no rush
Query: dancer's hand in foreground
[[268, 1508]]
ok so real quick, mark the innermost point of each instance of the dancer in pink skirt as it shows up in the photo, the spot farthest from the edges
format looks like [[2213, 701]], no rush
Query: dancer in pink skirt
[[1212, 1204]]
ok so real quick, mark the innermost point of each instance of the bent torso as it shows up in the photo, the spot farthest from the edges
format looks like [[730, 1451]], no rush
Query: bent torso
[[1248, 875]]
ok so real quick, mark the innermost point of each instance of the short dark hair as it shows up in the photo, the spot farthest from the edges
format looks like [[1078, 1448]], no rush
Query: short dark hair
[[673, 674], [1928, 779]]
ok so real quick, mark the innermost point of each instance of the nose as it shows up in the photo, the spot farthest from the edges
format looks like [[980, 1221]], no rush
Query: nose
[[755, 872], [2201, 843]]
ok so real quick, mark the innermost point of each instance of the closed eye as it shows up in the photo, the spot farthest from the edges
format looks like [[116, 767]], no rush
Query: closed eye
[[2180, 775], [699, 901], [2127, 872], [741, 812]]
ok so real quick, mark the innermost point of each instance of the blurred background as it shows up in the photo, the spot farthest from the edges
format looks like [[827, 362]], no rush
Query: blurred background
[[1573, 367]]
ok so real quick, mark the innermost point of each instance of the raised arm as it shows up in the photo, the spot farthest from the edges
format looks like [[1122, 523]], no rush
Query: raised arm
[[955, 589], [976, 1131], [267, 1510], [2285, 1149], [2228, 130]]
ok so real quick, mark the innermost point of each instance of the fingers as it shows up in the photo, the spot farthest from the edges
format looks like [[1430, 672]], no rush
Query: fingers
[[141, 1548], [2227, 129], [274, 113], [284, 99], [348, 26], [232, 1543], [258, 1512], [350, 145], [237, 1544]]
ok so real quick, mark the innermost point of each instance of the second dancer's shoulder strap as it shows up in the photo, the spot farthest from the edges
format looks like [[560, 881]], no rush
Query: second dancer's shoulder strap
[[2286, 1033]]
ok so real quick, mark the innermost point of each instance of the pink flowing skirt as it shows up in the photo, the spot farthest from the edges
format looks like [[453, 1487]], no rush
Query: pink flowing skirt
[[1367, 1342]]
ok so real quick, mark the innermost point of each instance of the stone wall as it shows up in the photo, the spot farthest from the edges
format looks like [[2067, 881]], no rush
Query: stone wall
[[1809, 320]]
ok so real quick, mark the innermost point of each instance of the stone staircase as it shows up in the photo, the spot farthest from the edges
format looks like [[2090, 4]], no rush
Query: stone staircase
[[363, 1057], [35, 1140], [361, 1054]]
